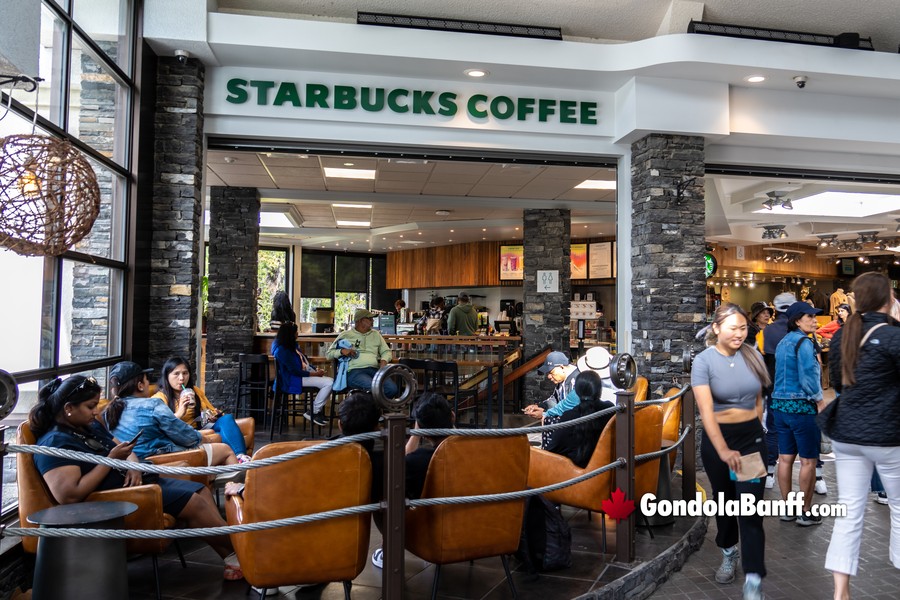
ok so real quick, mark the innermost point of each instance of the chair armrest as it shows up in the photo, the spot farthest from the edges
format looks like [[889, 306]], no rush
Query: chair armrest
[[208, 436], [148, 498], [247, 425], [546, 468], [234, 509], [186, 458]]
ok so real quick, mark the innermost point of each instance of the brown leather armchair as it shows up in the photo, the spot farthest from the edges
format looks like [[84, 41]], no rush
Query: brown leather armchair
[[671, 428], [547, 468], [323, 551], [640, 388], [34, 495], [453, 533]]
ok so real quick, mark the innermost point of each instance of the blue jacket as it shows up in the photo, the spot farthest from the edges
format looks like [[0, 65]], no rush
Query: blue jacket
[[163, 431], [798, 376], [290, 369]]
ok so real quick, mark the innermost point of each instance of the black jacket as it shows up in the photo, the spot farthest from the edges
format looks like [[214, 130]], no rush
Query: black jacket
[[868, 412]]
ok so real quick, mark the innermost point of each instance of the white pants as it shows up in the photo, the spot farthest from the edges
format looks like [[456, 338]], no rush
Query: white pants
[[854, 466], [324, 384]]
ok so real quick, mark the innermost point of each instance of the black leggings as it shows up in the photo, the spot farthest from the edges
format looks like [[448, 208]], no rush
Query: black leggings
[[746, 438]]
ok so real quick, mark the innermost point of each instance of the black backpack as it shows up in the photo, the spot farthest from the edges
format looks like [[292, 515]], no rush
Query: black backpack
[[546, 543]]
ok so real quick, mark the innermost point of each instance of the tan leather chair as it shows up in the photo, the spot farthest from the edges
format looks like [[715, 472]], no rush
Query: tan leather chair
[[671, 428], [453, 533], [547, 468], [640, 388], [247, 425], [34, 495], [319, 552]]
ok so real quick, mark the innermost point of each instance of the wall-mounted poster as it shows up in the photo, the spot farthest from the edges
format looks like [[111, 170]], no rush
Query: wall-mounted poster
[[601, 260], [578, 259], [512, 266], [848, 267]]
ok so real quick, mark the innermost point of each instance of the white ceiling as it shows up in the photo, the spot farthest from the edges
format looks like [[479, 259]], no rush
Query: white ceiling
[[486, 200], [617, 20]]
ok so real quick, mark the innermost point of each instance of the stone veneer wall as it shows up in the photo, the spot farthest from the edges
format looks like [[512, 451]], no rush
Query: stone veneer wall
[[667, 246], [233, 263], [546, 237], [177, 210]]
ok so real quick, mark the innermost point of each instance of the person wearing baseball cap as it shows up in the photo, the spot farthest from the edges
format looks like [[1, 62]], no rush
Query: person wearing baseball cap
[[561, 372], [796, 399], [367, 352], [772, 335]]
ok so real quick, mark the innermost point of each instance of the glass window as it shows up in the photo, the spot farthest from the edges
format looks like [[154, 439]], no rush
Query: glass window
[[20, 328], [345, 304], [90, 319], [98, 104], [106, 238], [317, 275], [351, 274], [306, 311], [272, 278], [52, 69], [106, 22]]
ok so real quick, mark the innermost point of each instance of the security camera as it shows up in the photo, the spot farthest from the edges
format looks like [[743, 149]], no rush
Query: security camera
[[183, 55], [801, 80]]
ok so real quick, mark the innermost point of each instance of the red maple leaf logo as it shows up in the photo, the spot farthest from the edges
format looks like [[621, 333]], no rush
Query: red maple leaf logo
[[617, 507]]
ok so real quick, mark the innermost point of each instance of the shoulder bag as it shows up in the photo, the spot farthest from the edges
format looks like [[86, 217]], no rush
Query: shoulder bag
[[826, 418]]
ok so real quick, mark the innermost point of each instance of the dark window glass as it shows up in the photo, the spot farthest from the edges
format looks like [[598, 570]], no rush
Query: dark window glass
[[352, 274], [316, 275], [381, 298]]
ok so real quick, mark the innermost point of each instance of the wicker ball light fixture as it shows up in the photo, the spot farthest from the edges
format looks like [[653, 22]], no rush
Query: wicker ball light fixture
[[49, 196]]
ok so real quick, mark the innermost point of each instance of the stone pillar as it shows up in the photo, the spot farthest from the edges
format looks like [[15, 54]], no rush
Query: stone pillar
[[177, 211], [546, 236], [233, 263], [667, 246]]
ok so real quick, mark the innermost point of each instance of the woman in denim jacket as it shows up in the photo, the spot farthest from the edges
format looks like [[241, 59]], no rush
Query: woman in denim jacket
[[796, 399], [132, 410]]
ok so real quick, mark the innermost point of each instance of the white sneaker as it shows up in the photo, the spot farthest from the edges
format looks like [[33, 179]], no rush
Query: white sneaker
[[821, 488], [881, 498], [378, 558], [770, 482], [269, 591]]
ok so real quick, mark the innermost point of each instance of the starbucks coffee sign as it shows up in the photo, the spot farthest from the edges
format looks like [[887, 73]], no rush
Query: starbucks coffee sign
[[364, 98]]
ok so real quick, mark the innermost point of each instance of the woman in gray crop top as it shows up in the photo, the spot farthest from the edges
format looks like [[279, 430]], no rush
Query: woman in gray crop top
[[728, 379]]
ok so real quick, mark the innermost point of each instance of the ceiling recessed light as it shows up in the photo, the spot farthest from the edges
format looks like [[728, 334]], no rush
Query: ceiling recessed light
[[477, 72], [230, 160], [420, 233], [349, 173], [442, 213], [484, 229], [517, 228], [348, 164], [401, 235], [755, 79], [452, 231], [451, 240], [596, 184], [353, 223], [342, 205]]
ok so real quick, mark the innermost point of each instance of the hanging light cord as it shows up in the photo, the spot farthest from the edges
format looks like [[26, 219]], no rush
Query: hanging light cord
[[12, 81]]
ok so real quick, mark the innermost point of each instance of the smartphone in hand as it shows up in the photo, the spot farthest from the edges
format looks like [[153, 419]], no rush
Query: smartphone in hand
[[136, 437]]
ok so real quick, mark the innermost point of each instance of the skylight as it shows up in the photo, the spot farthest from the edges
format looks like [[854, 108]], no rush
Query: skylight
[[596, 184], [840, 204], [274, 219]]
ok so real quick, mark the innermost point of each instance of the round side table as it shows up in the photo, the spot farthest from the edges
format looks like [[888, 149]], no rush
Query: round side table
[[76, 568]]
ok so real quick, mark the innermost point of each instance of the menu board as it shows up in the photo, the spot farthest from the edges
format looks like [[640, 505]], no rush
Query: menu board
[[601, 265], [512, 267], [578, 260]]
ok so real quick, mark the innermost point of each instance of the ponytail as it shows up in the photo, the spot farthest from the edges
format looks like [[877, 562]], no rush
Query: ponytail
[[851, 335], [118, 392]]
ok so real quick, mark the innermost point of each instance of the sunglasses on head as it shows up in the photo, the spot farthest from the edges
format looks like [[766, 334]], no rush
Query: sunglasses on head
[[88, 382]]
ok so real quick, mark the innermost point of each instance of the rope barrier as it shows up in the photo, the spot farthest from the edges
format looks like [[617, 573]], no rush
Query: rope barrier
[[517, 431], [676, 396], [640, 458], [164, 470], [189, 533]]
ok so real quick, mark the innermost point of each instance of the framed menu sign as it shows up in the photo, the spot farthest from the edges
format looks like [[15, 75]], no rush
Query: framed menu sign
[[578, 260], [512, 266], [601, 266]]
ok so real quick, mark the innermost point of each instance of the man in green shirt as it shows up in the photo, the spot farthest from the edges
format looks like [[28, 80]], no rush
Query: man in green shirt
[[369, 353], [463, 319]]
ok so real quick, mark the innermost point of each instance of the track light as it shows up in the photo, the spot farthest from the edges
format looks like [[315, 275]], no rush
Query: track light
[[774, 232], [777, 198], [768, 204]]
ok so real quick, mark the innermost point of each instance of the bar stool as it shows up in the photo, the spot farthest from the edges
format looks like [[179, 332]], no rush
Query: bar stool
[[253, 383], [286, 405]]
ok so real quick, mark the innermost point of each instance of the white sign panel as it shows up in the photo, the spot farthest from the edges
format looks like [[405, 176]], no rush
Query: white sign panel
[[548, 282], [601, 266], [583, 310]]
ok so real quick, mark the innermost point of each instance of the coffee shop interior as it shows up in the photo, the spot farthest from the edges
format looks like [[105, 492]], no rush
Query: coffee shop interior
[[447, 224]]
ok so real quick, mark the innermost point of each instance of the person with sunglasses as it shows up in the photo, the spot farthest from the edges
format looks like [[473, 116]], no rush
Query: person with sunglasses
[[131, 409], [65, 416]]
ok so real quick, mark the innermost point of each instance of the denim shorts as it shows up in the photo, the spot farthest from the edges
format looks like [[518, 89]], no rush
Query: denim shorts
[[797, 434]]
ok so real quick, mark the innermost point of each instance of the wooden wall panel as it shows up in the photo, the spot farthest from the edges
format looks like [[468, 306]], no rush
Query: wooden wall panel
[[755, 261], [476, 264]]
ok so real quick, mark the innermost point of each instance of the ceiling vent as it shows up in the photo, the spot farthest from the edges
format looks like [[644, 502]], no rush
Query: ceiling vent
[[844, 40], [459, 26]]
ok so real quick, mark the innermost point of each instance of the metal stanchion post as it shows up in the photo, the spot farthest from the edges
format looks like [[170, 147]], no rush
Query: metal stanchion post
[[392, 576], [625, 474], [689, 450]]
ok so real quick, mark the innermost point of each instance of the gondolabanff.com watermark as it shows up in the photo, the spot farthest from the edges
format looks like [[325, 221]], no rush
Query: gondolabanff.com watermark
[[746, 505]]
